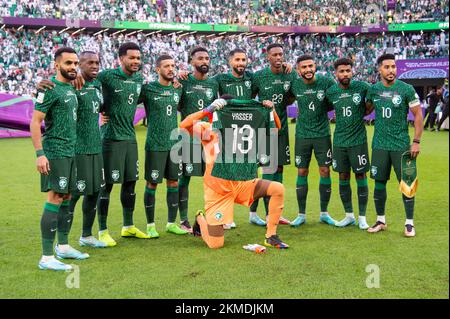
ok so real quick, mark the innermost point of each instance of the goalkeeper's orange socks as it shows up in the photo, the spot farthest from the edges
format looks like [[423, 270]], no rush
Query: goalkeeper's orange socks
[[276, 193]]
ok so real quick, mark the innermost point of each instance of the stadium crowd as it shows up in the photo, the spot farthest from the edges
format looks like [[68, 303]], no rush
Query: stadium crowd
[[26, 56], [246, 12]]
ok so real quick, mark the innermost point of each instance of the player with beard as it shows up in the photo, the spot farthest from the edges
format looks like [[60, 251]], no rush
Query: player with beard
[[199, 91], [312, 133], [88, 157], [161, 101], [350, 151], [237, 82], [392, 100], [55, 158]]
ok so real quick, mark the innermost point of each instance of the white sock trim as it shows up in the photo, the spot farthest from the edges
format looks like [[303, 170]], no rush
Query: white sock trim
[[382, 219], [409, 222]]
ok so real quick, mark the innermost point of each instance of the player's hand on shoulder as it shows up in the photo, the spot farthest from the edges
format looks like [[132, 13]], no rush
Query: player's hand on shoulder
[[45, 85], [287, 67], [176, 83], [268, 104], [183, 74], [78, 83]]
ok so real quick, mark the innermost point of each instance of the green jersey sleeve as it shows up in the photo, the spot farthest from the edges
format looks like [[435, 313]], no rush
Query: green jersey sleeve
[[44, 101]]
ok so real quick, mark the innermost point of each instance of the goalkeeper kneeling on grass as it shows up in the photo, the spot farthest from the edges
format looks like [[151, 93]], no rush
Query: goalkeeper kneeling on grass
[[227, 180]]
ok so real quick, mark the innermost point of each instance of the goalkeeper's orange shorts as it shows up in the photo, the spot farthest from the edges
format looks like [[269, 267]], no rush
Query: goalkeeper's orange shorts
[[221, 195]]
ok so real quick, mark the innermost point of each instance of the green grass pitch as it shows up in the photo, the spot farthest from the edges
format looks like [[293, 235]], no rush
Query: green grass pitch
[[323, 262]]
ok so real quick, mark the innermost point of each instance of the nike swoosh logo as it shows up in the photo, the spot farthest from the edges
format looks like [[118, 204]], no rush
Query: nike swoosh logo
[[83, 93], [52, 230], [228, 85], [299, 95], [117, 91], [67, 100], [174, 205], [359, 168], [103, 185], [157, 98], [329, 162], [189, 92], [376, 100], [267, 88], [183, 200], [334, 102]]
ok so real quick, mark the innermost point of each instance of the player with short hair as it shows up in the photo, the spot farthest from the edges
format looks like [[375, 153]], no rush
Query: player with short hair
[[228, 180], [199, 91], [121, 89], [237, 82], [161, 101], [55, 158], [312, 134], [350, 151], [273, 83], [88, 156], [392, 99]]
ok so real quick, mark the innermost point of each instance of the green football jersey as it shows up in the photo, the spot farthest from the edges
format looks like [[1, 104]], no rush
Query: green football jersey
[[312, 118], [60, 107], [242, 125], [391, 106], [275, 88], [121, 94], [90, 99], [161, 104], [240, 88], [350, 107], [197, 94]]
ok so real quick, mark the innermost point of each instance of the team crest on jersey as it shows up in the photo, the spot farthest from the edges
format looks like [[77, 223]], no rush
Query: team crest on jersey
[[356, 98], [115, 175], [286, 86], [176, 98], [209, 93], [298, 160], [62, 182], [334, 164], [138, 89], [320, 95], [397, 99], [263, 159], [189, 168], [374, 170], [81, 186], [155, 174], [248, 84], [218, 216]]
